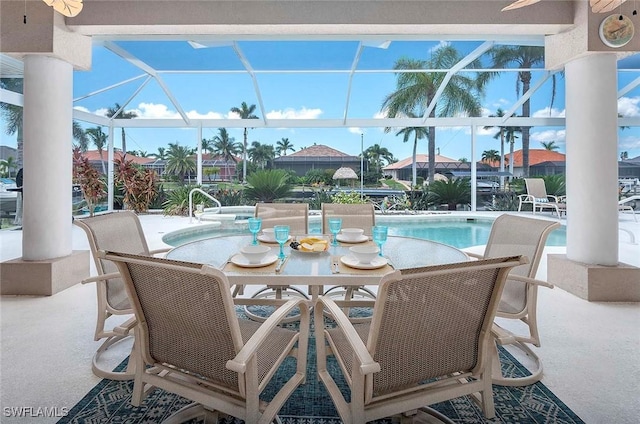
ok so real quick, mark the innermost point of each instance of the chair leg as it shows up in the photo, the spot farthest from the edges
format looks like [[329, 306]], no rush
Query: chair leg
[[99, 371], [500, 380], [276, 292]]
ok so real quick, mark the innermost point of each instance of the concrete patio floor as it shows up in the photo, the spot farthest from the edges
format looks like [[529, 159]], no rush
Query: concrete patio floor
[[590, 350]]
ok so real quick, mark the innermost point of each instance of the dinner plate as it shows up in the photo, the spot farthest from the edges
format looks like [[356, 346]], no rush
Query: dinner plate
[[263, 239], [352, 262], [244, 262], [360, 239]]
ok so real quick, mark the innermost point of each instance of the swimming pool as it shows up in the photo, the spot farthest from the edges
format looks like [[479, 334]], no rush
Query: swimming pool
[[460, 232]]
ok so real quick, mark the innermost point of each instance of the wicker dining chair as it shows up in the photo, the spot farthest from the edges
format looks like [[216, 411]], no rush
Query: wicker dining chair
[[193, 344], [517, 235], [296, 216], [429, 340], [353, 216], [119, 231]]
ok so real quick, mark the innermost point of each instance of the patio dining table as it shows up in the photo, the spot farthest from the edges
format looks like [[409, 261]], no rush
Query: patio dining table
[[314, 269]]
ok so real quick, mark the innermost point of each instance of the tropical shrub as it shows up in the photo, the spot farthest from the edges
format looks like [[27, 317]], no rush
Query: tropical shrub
[[318, 177], [506, 201], [451, 193], [177, 200], [93, 187], [320, 196], [555, 184], [268, 185], [138, 185], [228, 197], [349, 197]]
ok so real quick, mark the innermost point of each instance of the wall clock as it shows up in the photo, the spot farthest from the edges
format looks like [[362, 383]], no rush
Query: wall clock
[[615, 32]]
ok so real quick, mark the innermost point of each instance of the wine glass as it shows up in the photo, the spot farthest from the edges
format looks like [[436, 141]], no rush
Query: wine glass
[[334, 226], [254, 226], [380, 236], [282, 235]]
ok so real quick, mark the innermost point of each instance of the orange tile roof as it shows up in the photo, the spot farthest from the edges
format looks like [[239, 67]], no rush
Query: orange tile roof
[[93, 155], [537, 156], [319, 150], [419, 159]]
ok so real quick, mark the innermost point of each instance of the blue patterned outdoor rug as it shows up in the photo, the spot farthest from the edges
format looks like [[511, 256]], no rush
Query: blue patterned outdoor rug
[[110, 401]]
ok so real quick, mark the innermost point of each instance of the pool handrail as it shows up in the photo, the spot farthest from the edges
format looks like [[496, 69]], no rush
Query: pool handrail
[[207, 195]]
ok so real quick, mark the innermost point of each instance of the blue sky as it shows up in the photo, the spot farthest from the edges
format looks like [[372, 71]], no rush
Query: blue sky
[[294, 95]]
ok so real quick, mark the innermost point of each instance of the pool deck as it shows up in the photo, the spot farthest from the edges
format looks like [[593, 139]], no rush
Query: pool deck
[[589, 349]]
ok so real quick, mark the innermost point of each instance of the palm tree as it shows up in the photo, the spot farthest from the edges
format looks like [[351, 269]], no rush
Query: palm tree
[[99, 139], [179, 161], [207, 145], [80, 136], [526, 57], [550, 145], [226, 147], [261, 154], [111, 113], [499, 135], [283, 146], [416, 90], [623, 155], [418, 134], [161, 153], [245, 112], [12, 114], [490, 156], [376, 154], [7, 165], [510, 137]]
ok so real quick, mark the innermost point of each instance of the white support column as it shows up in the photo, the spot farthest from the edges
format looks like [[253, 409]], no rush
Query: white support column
[[111, 189], [48, 102], [592, 159], [473, 170], [199, 156]]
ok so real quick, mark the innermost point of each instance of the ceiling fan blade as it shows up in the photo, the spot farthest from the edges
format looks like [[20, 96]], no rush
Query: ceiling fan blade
[[604, 6], [520, 3], [68, 8]]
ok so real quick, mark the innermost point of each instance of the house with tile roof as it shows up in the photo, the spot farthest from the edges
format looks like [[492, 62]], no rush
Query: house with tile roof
[[402, 170], [317, 156]]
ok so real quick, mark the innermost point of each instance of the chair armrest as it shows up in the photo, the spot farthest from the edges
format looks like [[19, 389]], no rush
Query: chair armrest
[[552, 197], [239, 363], [530, 281], [156, 251], [526, 198], [103, 277], [367, 364], [124, 328], [474, 255]]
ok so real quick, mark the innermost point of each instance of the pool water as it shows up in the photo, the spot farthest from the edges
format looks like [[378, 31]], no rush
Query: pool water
[[457, 232]]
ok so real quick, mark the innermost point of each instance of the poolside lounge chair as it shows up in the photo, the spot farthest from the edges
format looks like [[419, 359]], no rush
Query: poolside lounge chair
[[429, 340], [193, 344], [511, 234], [118, 231], [624, 207], [539, 199]]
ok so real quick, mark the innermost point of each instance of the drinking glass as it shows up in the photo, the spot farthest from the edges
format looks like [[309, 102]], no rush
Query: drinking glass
[[282, 235], [254, 226], [334, 226], [380, 236]]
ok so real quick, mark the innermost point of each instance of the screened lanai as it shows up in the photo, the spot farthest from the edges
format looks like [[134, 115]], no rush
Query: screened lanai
[[340, 52]]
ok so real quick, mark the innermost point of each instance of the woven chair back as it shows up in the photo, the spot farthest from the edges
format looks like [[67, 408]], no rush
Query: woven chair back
[[435, 321], [295, 215], [186, 316], [536, 187], [118, 232], [353, 216], [516, 235]]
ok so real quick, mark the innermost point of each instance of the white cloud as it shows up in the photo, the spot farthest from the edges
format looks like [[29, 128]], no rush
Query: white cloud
[[628, 106], [380, 115], [548, 113], [629, 143], [440, 44], [194, 114], [155, 111], [289, 113], [81, 109], [549, 135], [356, 130]]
